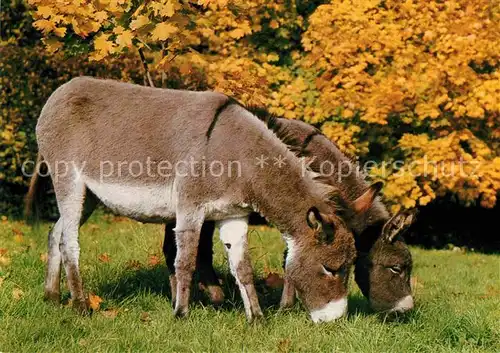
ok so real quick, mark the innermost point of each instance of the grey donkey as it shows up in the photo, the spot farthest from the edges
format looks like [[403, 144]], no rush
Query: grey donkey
[[383, 265], [158, 155]]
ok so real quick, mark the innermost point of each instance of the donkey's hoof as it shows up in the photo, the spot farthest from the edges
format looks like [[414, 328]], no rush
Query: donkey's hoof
[[256, 319], [81, 307], [52, 297], [216, 294], [287, 303], [180, 312]]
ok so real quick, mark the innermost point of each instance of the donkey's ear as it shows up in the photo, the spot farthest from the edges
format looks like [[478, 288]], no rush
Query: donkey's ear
[[365, 201], [314, 219], [398, 224]]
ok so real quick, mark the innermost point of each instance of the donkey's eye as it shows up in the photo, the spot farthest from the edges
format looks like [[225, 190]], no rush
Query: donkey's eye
[[328, 271], [395, 269]]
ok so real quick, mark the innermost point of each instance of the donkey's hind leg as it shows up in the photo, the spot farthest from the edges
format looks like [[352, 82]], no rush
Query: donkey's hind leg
[[71, 203], [52, 290], [233, 233]]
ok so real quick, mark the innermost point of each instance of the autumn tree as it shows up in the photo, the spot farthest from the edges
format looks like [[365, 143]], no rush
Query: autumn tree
[[409, 81], [413, 85]]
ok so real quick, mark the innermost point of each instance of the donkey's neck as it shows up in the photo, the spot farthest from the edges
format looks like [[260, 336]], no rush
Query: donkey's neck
[[327, 158], [346, 175], [279, 185], [284, 196]]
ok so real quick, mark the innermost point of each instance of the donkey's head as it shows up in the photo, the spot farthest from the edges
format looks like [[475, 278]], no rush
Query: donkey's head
[[384, 264], [319, 263]]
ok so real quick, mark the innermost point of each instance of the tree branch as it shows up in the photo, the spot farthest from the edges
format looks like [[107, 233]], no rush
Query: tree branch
[[163, 74], [146, 70]]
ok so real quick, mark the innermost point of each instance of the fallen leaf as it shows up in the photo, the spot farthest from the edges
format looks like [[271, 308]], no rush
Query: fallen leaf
[[491, 292], [145, 317], [4, 219], [3, 251], [43, 257], [93, 227], [4, 261], [94, 301], [273, 280], [82, 342], [154, 260], [18, 235], [104, 257], [17, 293], [110, 313], [284, 345], [133, 265]]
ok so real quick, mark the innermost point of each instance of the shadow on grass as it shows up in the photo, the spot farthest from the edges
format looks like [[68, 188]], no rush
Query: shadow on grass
[[358, 305], [132, 283]]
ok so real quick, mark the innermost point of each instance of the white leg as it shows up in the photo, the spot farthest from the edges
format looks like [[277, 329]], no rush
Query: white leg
[[233, 233], [53, 274], [71, 214], [288, 295]]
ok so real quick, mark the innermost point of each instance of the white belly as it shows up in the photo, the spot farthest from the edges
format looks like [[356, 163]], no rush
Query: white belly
[[156, 203], [144, 203]]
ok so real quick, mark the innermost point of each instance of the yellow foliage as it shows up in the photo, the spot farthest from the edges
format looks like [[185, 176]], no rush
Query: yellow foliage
[[163, 31], [412, 81]]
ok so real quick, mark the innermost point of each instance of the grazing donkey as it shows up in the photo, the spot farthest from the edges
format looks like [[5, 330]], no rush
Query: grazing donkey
[[205, 160], [383, 265]]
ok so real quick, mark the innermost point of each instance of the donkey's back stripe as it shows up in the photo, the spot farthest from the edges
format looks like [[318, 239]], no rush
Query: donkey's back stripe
[[218, 112], [308, 140]]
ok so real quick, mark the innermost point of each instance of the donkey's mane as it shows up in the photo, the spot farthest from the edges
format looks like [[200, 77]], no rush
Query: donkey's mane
[[331, 194], [271, 120], [287, 136]]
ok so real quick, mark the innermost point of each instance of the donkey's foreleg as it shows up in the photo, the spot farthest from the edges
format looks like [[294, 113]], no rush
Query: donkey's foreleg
[[52, 290], [208, 277], [288, 295], [187, 237], [233, 233]]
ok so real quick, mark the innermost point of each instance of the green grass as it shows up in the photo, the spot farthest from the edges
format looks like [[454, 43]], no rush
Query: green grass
[[457, 295]]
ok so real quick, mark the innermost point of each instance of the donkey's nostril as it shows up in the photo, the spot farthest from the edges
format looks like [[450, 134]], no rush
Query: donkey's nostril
[[331, 311], [404, 304]]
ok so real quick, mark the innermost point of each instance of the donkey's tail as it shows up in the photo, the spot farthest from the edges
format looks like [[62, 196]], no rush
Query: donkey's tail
[[33, 197]]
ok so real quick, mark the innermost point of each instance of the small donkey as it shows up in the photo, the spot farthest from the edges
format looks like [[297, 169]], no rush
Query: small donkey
[[156, 155], [383, 264]]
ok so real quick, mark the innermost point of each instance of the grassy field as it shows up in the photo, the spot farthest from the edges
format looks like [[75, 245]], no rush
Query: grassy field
[[457, 294]]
